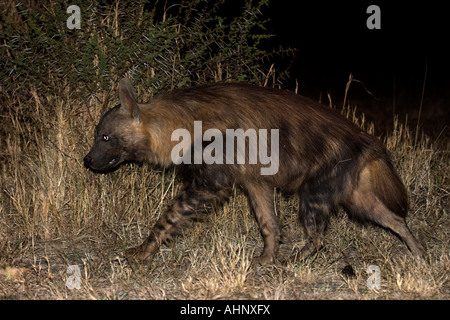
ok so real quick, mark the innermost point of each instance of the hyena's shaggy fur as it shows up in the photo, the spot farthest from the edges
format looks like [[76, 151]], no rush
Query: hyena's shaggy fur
[[324, 158]]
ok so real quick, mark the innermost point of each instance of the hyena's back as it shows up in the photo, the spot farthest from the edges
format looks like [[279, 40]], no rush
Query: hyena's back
[[324, 158], [316, 144], [312, 136]]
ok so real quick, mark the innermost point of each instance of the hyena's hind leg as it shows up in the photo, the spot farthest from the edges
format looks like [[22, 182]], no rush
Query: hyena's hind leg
[[189, 205], [260, 198], [314, 214]]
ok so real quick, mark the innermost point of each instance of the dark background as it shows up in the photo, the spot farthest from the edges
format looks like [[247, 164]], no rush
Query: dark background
[[332, 41]]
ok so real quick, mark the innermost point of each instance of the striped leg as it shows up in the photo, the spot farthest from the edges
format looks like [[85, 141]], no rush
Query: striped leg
[[189, 205], [314, 213]]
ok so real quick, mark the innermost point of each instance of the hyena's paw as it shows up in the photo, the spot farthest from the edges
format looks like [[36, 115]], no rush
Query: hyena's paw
[[142, 253], [300, 255], [263, 261]]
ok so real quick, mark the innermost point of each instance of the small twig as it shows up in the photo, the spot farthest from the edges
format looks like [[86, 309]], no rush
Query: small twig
[[421, 103]]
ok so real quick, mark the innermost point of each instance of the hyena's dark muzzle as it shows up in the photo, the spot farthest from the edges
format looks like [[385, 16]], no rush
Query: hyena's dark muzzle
[[103, 158]]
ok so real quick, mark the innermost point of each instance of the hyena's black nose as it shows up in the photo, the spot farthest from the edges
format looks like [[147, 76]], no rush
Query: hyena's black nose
[[87, 160]]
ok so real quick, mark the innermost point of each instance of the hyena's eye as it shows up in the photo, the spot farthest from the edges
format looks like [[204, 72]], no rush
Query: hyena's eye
[[105, 137]]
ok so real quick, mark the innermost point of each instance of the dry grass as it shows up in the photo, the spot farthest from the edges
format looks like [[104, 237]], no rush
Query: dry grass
[[55, 213]]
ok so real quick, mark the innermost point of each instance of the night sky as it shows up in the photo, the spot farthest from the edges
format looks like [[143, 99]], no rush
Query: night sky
[[333, 41]]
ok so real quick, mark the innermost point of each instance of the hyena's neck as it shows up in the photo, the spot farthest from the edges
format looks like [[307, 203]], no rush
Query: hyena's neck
[[158, 124]]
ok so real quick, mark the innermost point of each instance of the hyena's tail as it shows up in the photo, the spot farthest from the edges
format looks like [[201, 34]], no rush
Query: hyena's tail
[[380, 196]]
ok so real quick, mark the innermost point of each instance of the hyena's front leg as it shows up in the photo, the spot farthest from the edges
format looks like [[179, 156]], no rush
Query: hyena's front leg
[[260, 197], [190, 204]]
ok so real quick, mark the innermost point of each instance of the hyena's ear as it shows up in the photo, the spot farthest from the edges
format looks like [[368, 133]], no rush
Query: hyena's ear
[[128, 99]]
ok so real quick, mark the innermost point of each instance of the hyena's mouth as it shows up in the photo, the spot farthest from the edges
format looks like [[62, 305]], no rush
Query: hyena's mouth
[[113, 161]]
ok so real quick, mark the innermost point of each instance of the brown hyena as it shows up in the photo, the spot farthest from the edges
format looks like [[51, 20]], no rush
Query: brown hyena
[[323, 157]]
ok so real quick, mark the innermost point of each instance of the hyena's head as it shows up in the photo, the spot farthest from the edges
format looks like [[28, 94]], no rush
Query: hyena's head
[[118, 136]]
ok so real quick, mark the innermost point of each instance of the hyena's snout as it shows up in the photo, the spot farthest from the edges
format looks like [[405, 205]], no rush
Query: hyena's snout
[[90, 162], [102, 164], [87, 161], [103, 159]]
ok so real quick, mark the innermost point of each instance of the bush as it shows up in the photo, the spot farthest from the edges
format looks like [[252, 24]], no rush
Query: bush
[[160, 45]]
